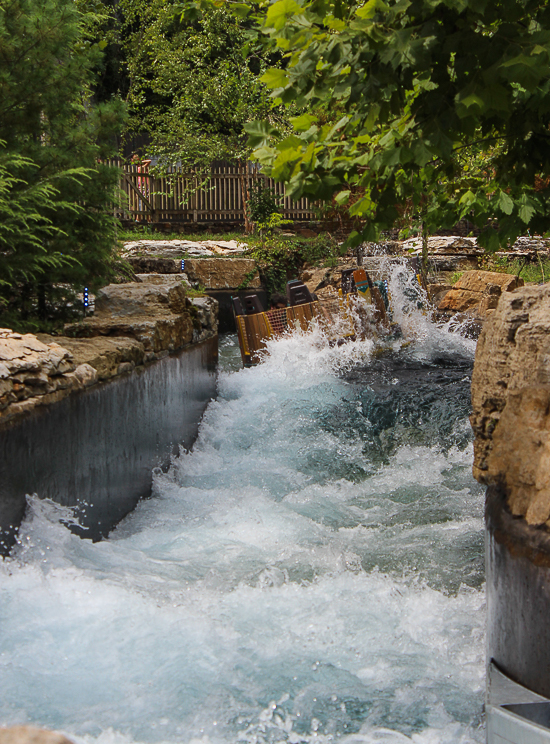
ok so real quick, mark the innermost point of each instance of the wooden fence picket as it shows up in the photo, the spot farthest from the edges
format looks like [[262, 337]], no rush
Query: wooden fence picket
[[179, 195]]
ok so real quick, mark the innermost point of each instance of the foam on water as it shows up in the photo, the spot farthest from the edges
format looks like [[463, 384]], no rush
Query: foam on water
[[310, 572]]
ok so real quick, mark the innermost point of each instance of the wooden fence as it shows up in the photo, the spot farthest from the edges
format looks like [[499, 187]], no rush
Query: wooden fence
[[183, 196]]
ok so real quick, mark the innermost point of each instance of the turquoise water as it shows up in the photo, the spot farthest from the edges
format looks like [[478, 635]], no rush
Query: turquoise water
[[310, 572]]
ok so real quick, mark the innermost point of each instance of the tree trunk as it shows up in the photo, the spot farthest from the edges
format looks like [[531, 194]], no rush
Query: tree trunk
[[41, 294], [245, 194]]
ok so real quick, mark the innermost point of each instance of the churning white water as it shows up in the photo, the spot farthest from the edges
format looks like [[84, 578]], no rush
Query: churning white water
[[310, 572]]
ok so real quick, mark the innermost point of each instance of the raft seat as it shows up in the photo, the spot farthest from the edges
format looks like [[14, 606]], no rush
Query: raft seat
[[298, 293]]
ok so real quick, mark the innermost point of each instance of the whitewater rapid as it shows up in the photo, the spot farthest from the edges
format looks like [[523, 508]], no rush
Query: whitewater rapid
[[311, 571]]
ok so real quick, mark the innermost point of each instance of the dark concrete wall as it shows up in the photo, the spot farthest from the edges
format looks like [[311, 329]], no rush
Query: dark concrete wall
[[518, 596], [95, 450]]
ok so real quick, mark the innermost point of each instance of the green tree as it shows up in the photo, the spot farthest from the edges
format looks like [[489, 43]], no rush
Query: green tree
[[195, 84], [53, 136], [446, 105]]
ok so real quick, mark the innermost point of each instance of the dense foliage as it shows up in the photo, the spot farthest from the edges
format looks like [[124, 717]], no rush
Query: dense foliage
[[191, 82], [194, 84], [445, 106], [57, 228]]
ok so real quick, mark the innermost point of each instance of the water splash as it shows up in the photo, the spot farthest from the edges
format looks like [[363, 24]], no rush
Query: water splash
[[309, 572]]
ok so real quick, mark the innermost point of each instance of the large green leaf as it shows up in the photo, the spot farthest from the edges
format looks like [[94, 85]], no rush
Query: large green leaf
[[278, 13], [275, 78]]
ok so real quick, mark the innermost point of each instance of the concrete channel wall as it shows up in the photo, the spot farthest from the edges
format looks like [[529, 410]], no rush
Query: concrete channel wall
[[85, 420], [95, 450]]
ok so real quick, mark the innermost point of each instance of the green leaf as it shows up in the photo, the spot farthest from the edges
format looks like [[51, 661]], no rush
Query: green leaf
[[260, 133], [241, 10], [354, 239], [471, 104], [467, 199], [303, 123], [489, 240], [372, 117], [526, 209], [278, 12], [274, 78], [361, 207], [420, 153], [505, 203], [369, 9], [342, 197]]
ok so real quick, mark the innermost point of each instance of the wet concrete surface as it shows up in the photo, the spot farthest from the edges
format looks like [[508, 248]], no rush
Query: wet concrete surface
[[518, 596], [96, 449]]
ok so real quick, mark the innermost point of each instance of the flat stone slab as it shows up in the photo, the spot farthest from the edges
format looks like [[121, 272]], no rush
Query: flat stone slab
[[134, 324], [439, 244], [451, 245], [169, 248], [104, 354], [164, 279]]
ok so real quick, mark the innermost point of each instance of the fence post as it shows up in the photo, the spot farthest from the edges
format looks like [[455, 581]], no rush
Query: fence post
[[154, 199], [195, 197]]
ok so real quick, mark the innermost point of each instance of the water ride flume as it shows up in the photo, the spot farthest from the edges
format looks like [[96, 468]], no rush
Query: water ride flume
[[360, 309]]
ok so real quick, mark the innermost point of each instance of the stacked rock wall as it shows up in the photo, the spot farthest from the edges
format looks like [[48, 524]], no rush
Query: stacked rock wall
[[511, 423], [84, 418], [511, 402], [34, 373]]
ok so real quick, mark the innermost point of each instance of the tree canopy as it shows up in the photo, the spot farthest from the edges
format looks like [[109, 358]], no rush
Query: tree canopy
[[194, 84], [444, 103]]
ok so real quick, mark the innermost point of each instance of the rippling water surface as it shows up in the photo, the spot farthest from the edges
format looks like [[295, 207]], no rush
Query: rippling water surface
[[310, 572]]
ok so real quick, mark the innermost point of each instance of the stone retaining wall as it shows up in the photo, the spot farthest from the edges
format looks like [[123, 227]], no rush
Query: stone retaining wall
[[37, 371], [85, 417], [511, 423]]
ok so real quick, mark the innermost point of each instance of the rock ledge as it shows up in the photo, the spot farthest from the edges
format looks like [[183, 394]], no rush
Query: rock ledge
[[511, 402], [134, 325]]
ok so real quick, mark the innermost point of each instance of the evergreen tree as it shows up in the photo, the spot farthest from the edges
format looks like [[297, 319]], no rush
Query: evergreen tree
[[53, 138]]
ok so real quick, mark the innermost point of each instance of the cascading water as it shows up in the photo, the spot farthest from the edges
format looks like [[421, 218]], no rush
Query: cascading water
[[310, 572]]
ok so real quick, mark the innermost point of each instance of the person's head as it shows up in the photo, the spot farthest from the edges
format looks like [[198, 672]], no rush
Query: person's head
[[277, 301]]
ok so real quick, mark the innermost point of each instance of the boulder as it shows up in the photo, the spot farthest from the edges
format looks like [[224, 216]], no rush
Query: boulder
[[149, 265], [511, 402], [223, 273], [477, 293], [124, 300], [31, 735], [315, 279], [206, 317], [437, 291], [156, 315]]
